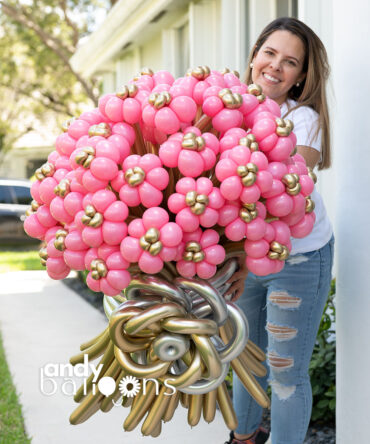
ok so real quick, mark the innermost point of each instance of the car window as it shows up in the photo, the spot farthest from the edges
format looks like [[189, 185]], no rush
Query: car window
[[5, 195], [23, 194]]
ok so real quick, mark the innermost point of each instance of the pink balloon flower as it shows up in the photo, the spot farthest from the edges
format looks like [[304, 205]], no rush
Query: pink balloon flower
[[243, 220], [243, 174], [200, 253], [268, 255], [152, 240], [143, 180], [192, 152], [103, 219], [107, 270], [196, 203]]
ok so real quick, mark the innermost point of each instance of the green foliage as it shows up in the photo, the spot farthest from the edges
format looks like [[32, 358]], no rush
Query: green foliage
[[37, 81], [11, 420], [322, 366]]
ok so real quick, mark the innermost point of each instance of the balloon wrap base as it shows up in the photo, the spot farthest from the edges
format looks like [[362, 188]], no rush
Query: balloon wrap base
[[175, 338]]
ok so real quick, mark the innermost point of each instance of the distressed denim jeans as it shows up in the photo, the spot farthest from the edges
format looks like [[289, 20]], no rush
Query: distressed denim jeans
[[284, 312]]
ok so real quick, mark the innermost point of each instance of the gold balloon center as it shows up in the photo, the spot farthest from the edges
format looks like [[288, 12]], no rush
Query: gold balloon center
[[312, 174], [230, 100], [127, 91], [248, 212], [256, 90], [46, 170], [159, 100], [60, 237], [200, 72], [134, 176], [193, 142], [85, 156], [193, 252], [247, 173], [284, 127], [310, 204], [67, 124], [102, 129], [43, 256], [197, 202], [63, 188], [92, 218], [292, 185], [250, 142], [278, 251], [227, 70], [98, 269], [150, 242]]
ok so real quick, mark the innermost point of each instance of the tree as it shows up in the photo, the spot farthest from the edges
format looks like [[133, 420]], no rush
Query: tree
[[37, 40]]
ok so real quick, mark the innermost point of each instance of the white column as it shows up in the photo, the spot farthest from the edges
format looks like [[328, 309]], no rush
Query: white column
[[351, 71]]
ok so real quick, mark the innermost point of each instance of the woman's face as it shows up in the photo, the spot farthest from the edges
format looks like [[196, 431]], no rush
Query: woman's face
[[278, 64]]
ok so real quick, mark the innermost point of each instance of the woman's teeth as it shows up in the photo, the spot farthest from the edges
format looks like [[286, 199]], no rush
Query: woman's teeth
[[272, 79]]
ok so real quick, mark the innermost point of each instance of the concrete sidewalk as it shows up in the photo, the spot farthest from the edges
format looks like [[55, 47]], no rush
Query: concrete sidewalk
[[42, 321]]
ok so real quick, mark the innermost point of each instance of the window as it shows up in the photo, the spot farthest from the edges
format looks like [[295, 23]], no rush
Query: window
[[23, 195], [5, 195]]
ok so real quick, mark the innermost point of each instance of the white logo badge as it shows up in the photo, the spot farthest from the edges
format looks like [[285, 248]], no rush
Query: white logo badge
[[129, 386]]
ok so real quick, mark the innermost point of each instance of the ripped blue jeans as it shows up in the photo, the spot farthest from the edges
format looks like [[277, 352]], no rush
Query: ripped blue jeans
[[284, 312]]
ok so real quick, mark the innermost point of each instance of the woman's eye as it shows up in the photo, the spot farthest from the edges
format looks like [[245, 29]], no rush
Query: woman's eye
[[291, 63], [268, 52]]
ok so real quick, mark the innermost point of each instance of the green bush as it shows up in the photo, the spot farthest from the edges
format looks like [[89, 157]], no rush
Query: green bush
[[322, 366]]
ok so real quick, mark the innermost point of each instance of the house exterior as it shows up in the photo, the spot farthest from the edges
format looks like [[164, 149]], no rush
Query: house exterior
[[177, 34]]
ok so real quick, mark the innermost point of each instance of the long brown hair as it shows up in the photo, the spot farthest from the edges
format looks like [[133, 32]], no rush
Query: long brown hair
[[312, 90]]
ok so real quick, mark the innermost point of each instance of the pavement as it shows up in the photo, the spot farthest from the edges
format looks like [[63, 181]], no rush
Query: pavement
[[43, 322]]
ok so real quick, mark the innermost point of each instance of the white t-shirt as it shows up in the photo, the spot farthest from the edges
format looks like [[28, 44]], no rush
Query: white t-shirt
[[305, 121]]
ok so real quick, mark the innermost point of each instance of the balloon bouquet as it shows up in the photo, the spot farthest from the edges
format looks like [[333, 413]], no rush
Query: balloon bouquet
[[159, 193]]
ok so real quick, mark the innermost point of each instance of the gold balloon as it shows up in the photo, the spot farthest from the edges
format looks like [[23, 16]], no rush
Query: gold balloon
[[209, 406], [134, 176], [195, 409], [226, 407], [284, 127], [85, 156], [128, 91], [43, 255], [60, 237], [98, 269], [46, 170], [310, 204], [92, 218], [141, 406], [255, 89], [63, 188], [312, 174], [102, 129], [200, 72], [66, 124]]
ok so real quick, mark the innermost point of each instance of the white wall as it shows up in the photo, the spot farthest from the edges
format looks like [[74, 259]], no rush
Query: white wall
[[351, 71]]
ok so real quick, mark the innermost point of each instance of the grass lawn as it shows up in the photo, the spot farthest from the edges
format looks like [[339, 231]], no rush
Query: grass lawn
[[19, 260], [11, 420]]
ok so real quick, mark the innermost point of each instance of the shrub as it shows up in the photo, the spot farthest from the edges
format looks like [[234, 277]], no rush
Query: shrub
[[322, 366]]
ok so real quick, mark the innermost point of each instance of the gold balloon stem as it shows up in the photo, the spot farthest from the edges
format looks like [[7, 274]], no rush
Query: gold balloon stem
[[204, 123], [226, 407], [172, 406], [195, 409], [139, 146], [93, 351], [209, 406], [156, 412]]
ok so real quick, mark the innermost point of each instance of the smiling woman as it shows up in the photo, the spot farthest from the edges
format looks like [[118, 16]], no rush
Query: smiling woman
[[284, 310]]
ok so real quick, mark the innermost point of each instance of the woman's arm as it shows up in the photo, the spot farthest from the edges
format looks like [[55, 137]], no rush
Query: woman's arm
[[310, 155], [237, 280]]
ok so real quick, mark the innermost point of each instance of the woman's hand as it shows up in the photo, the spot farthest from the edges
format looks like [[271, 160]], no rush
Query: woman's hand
[[237, 280]]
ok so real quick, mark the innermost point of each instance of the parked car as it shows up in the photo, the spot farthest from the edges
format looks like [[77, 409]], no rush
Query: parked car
[[15, 199]]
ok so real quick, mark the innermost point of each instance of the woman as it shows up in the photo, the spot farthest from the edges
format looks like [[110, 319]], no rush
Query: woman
[[284, 310]]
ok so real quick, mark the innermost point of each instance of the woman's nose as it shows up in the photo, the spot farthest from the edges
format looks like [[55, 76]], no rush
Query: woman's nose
[[275, 65]]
